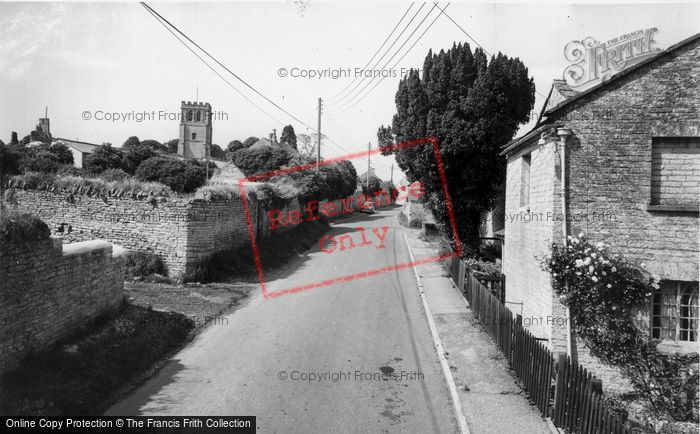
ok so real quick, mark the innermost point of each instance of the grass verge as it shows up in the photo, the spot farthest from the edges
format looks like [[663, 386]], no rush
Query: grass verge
[[77, 375]]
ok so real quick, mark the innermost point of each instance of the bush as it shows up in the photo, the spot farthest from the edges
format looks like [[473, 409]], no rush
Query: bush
[[155, 145], [136, 155], [18, 227], [62, 153], [39, 159], [256, 161], [182, 176], [144, 264], [105, 157], [171, 146], [69, 171], [602, 289], [114, 175]]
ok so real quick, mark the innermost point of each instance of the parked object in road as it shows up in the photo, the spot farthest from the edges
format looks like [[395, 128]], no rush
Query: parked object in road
[[368, 207]]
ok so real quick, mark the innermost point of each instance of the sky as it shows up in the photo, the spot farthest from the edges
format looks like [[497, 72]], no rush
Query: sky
[[104, 58]]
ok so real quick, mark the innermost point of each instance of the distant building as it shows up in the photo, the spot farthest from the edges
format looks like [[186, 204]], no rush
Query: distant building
[[80, 150], [195, 130]]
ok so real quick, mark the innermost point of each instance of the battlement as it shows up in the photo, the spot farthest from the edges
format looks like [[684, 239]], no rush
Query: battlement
[[190, 104]]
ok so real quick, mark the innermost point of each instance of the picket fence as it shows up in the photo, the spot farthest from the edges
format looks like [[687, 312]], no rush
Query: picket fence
[[560, 388]]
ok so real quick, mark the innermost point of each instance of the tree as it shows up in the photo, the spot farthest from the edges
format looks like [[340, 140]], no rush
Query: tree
[[308, 146], [182, 176], [105, 157], [39, 159], [250, 141], [171, 146], [155, 145], [13, 140], [217, 152], [131, 142], [9, 159], [473, 107], [289, 137], [234, 145], [256, 161], [62, 152], [135, 156]]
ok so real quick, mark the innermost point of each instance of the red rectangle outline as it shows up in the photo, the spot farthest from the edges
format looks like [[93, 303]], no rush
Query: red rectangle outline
[[373, 272]]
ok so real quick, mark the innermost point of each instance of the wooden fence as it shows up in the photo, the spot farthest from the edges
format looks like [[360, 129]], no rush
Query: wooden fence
[[561, 390]]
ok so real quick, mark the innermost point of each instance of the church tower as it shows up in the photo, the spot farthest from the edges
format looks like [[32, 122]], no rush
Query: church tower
[[195, 130]]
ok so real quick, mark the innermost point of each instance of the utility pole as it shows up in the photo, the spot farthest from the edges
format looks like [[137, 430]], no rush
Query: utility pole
[[392, 174], [318, 145], [369, 150]]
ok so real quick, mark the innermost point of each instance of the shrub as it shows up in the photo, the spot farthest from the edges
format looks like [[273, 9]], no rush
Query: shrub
[[76, 184], [114, 175], [144, 264], [257, 161], [171, 146], [39, 159], [105, 157], [601, 290], [155, 145], [62, 153], [182, 176], [69, 171], [20, 227], [136, 155]]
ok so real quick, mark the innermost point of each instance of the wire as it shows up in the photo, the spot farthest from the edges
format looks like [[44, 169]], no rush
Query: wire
[[400, 59], [397, 52], [384, 55], [474, 40], [214, 70], [227, 69], [378, 49]]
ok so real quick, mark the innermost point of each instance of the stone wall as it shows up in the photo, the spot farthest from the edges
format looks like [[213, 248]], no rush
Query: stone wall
[[610, 161], [182, 231], [48, 290], [529, 231]]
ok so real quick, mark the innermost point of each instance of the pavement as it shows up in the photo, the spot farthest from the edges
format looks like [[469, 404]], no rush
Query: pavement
[[491, 400]]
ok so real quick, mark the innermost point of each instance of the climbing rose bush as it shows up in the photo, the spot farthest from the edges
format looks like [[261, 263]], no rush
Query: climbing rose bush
[[601, 288]]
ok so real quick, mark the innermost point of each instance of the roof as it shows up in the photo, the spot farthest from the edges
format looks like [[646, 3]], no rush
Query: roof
[[515, 144], [551, 108], [84, 147]]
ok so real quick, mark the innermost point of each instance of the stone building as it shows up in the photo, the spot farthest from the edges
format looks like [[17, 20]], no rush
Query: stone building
[[195, 130], [80, 150], [619, 162]]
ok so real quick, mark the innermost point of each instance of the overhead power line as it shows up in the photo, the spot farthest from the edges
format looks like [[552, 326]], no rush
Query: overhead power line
[[212, 68], [401, 58], [383, 55], [394, 55], [473, 40], [378, 49], [164, 20]]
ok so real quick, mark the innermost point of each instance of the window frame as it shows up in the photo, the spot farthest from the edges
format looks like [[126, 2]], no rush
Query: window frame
[[679, 289]]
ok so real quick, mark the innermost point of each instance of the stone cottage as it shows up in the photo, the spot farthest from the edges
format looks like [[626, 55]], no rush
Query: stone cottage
[[619, 162]]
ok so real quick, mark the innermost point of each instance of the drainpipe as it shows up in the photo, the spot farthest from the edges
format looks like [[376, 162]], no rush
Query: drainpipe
[[563, 134]]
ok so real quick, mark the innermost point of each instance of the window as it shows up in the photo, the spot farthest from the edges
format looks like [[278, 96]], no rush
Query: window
[[675, 312], [525, 180], [675, 171], [199, 116], [194, 136], [189, 115]]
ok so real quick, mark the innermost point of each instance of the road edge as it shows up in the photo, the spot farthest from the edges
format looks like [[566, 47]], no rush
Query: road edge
[[457, 403]]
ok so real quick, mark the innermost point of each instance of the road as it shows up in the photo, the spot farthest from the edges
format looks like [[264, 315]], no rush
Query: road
[[255, 362]]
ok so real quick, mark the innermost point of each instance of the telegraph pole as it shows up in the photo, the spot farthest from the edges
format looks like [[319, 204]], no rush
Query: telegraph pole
[[392, 174], [369, 150], [318, 145]]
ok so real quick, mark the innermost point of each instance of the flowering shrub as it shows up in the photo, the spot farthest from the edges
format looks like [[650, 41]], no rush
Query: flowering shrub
[[601, 288]]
